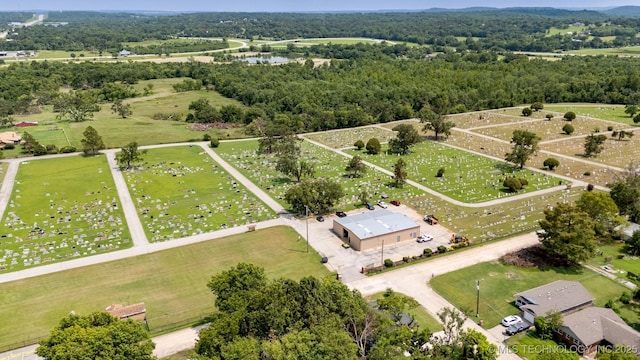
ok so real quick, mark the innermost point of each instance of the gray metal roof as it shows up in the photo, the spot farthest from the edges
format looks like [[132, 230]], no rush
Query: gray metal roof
[[376, 223], [560, 296]]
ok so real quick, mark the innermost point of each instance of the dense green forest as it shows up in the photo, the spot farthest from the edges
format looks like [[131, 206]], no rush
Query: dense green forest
[[372, 83], [516, 29]]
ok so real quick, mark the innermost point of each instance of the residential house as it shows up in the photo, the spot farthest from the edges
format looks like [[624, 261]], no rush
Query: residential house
[[562, 296], [592, 327], [9, 137]]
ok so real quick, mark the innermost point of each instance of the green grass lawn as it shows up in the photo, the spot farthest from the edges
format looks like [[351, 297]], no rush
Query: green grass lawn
[[342, 41], [568, 29], [260, 170], [468, 177], [420, 315], [172, 283], [499, 283], [620, 51], [627, 263], [180, 191], [346, 138], [599, 111], [61, 209]]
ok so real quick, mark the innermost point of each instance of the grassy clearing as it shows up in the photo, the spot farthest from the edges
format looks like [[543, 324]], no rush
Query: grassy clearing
[[61, 209], [420, 315], [486, 118], [340, 139], [180, 191], [598, 111], [499, 283], [627, 263], [568, 30], [260, 170], [549, 130], [619, 51], [468, 177], [172, 283], [341, 41], [140, 126]]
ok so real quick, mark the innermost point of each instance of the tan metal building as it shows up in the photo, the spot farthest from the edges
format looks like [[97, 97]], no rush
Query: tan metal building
[[374, 229]]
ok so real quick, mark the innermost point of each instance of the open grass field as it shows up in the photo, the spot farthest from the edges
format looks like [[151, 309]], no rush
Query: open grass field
[[499, 283], [487, 118], [140, 126], [468, 177], [180, 191], [569, 29], [172, 283], [619, 51], [61, 209], [419, 314], [616, 153], [261, 170], [341, 41], [598, 111], [345, 138], [626, 264]]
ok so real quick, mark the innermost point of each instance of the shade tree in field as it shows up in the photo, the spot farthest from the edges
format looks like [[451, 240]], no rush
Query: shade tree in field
[[435, 122], [602, 210], [407, 136], [373, 146], [594, 144], [551, 163], [568, 233], [97, 336], [355, 167], [319, 195], [525, 144], [359, 144], [621, 134], [569, 116], [568, 129], [91, 142], [537, 106], [129, 155], [527, 112], [631, 109], [76, 106], [400, 173], [121, 108]]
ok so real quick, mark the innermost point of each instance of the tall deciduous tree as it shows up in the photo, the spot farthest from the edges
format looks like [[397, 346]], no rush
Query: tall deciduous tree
[[97, 336], [569, 116], [568, 233], [320, 195], [91, 142], [407, 136], [291, 165], [373, 146], [525, 144], [594, 144], [602, 210], [626, 193], [621, 134], [356, 167], [122, 109], [129, 155], [631, 109], [77, 106], [399, 173], [435, 122]]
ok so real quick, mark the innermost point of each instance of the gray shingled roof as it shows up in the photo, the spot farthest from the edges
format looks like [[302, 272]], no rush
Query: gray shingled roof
[[559, 296], [594, 324], [376, 223]]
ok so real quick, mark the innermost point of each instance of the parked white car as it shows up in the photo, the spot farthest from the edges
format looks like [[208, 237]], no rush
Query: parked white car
[[382, 204], [510, 320], [424, 238]]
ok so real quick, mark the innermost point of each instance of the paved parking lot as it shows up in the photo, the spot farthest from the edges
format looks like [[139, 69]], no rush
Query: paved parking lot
[[349, 262]]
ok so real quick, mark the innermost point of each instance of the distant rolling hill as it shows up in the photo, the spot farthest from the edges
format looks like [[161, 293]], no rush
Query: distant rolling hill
[[625, 11]]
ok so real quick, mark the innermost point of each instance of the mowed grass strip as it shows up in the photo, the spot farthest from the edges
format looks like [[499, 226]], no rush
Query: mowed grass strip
[[61, 209], [339, 139], [499, 282], [468, 177], [172, 283], [181, 191], [260, 169]]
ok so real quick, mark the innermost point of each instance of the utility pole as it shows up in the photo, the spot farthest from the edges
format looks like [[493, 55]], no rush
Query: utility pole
[[478, 298], [306, 208], [382, 255]]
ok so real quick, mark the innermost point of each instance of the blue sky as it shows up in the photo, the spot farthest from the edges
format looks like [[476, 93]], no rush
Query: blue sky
[[289, 5]]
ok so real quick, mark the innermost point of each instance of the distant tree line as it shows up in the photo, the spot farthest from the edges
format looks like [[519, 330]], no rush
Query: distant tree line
[[518, 29]]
